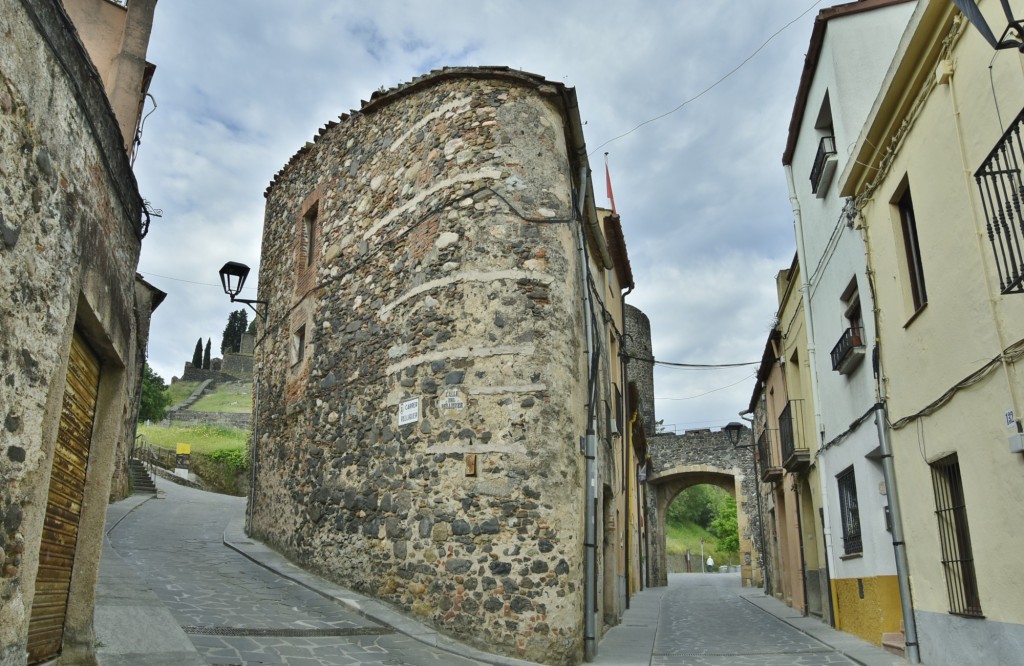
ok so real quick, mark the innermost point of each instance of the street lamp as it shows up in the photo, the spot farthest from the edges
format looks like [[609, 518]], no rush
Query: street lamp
[[735, 431], [1007, 40], [232, 278]]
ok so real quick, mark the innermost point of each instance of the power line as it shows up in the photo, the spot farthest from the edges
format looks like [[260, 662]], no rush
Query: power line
[[695, 366], [721, 388], [168, 277], [713, 85]]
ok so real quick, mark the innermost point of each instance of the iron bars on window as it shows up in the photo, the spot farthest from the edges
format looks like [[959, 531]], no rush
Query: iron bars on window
[[955, 538]]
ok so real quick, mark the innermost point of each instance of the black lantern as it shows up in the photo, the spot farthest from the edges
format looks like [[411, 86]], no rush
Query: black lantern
[[232, 278], [1013, 34], [735, 431]]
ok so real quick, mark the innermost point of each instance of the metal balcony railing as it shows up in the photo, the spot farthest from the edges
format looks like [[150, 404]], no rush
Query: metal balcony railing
[[766, 457], [796, 457], [826, 149], [1002, 195], [843, 354]]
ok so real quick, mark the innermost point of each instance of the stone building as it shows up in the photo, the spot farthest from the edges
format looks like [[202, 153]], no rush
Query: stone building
[[441, 349], [72, 321]]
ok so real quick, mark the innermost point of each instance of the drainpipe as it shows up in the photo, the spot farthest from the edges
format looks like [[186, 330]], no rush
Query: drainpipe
[[898, 543], [250, 508], [748, 416], [805, 289], [590, 447], [632, 486]]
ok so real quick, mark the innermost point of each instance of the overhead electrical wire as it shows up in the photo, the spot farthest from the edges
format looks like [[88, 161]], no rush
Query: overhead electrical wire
[[168, 277], [720, 388], [694, 366], [713, 85]]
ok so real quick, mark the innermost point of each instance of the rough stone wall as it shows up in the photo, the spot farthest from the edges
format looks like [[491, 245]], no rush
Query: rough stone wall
[[237, 365], [637, 344], [696, 457], [69, 244], [447, 272], [234, 419]]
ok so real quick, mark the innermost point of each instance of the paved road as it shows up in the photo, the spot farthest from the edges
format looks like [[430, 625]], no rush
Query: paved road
[[709, 620], [166, 566], [237, 612]]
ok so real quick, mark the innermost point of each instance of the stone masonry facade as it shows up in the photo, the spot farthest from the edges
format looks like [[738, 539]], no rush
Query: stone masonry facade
[[423, 382], [678, 462], [70, 237]]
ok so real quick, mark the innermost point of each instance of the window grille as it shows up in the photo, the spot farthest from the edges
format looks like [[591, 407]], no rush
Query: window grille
[[955, 538], [847, 483]]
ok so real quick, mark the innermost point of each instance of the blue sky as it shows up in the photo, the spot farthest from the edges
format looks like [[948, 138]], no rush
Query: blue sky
[[701, 191]]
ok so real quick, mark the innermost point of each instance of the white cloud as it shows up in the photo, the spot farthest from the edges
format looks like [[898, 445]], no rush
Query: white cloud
[[701, 191]]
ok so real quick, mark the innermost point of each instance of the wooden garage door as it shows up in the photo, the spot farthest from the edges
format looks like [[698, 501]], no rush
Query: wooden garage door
[[64, 505]]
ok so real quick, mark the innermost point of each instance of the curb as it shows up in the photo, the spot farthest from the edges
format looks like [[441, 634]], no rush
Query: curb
[[263, 555], [872, 659]]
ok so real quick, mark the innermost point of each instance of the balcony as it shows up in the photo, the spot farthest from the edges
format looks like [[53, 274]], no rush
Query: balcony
[[824, 166], [1002, 196], [848, 352], [796, 456], [770, 470]]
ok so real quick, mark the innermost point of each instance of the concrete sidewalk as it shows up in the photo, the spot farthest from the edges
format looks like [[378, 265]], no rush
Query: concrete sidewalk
[[133, 627], [234, 538]]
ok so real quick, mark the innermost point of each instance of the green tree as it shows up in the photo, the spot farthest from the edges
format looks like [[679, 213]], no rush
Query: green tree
[[697, 504], [154, 399], [231, 342], [724, 527], [206, 355], [197, 355]]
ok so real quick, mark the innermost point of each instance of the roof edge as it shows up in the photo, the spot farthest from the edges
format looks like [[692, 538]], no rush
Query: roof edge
[[812, 57]]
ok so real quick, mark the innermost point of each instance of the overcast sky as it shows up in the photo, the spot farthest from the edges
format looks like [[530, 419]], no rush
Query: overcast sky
[[696, 172]]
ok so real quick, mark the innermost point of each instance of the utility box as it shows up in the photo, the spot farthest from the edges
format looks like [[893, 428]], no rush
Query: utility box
[[1017, 443]]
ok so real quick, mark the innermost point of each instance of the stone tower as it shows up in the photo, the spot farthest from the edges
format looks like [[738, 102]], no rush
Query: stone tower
[[423, 389]]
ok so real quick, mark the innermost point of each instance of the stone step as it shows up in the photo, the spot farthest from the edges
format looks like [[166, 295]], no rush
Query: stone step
[[142, 482], [895, 642]]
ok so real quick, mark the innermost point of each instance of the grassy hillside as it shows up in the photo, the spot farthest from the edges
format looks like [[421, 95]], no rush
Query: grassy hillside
[[204, 438], [180, 391], [687, 535], [233, 397]]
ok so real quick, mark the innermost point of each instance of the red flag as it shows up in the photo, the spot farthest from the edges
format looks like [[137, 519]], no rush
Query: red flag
[[608, 182]]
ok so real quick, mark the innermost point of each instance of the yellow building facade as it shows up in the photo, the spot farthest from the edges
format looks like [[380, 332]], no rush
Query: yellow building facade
[[936, 178]]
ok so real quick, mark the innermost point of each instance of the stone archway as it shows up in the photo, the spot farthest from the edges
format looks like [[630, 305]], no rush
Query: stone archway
[[697, 457]]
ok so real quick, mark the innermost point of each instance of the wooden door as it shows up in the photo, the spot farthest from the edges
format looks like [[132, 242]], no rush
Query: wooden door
[[64, 504]]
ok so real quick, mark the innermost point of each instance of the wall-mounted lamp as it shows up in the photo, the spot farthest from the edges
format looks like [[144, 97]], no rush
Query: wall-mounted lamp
[[232, 278], [735, 431], [1013, 34]]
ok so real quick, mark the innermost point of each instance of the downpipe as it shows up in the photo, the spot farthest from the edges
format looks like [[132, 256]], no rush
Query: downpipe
[[590, 450], [898, 543]]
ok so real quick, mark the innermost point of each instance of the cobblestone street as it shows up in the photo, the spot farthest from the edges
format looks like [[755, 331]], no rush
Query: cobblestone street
[[709, 620], [181, 585], [237, 612]]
